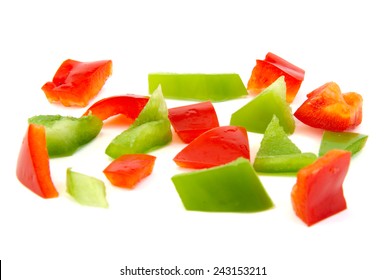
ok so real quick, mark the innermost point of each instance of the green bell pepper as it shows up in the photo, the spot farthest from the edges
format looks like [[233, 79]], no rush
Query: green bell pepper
[[349, 141], [66, 134], [278, 154], [86, 190], [201, 87], [257, 114], [232, 187], [151, 130]]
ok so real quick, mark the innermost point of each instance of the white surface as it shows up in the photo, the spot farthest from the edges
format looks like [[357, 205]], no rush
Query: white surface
[[148, 227]]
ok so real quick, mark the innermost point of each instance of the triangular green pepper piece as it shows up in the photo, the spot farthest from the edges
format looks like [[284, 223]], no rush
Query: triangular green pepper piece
[[349, 141], [232, 187], [151, 130], [278, 154], [257, 114]]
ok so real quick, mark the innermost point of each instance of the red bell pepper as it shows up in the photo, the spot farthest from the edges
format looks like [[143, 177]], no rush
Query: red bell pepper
[[33, 169], [269, 70], [215, 147], [318, 192], [192, 120], [129, 105], [327, 108], [127, 170], [75, 83]]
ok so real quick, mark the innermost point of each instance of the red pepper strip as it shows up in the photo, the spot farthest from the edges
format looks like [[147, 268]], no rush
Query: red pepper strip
[[33, 169], [318, 192], [217, 146], [129, 105], [75, 83], [192, 120], [270, 69], [327, 108], [127, 170]]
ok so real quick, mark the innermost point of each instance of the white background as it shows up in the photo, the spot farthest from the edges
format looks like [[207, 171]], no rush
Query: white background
[[59, 239]]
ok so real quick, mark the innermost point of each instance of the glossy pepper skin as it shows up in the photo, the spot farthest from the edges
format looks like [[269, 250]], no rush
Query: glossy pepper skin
[[128, 170], [270, 69], [65, 134], [75, 83], [318, 192], [33, 169], [150, 130], [232, 187], [217, 146], [349, 141], [256, 115], [199, 87], [327, 108], [129, 105], [192, 120]]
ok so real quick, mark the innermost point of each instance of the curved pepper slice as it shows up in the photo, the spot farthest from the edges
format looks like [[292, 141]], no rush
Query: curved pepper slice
[[33, 169], [190, 121], [232, 187], [66, 134], [75, 83], [202, 87], [272, 67], [215, 147], [127, 170], [318, 192], [327, 108], [129, 105], [349, 141], [149, 131]]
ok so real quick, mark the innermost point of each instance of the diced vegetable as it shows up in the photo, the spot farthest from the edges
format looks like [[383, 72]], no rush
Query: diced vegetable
[[278, 154], [66, 134], [233, 187], [190, 121], [349, 141], [86, 190], [257, 114], [269, 70], [149, 131], [215, 147], [200, 87], [129, 105], [128, 170], [33, 167], [75, 83], [327, 108], [318, 192]]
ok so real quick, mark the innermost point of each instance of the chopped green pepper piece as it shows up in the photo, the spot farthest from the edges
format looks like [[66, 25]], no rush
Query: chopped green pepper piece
[[257, 114], [86, 190], [202, 87], [233, 187], [151, 130], [349, 141], [278, 154], [66, 134]]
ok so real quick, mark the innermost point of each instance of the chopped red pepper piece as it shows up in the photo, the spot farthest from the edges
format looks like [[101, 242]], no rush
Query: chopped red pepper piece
[[192, 120], [327, 108], [269, 70], [33, 169], [129, 105], [318, 192], [75, 83], [127, 170], [215, 147]]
